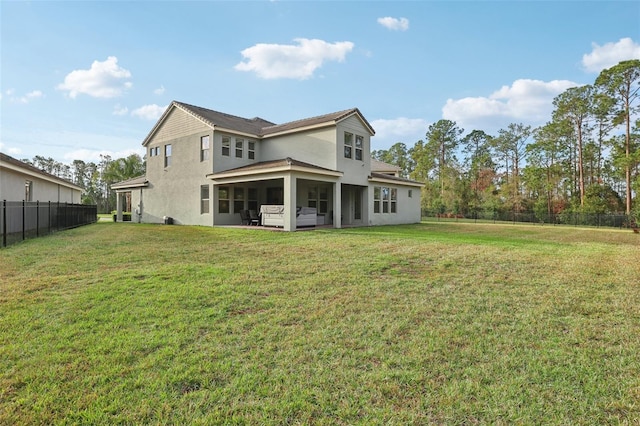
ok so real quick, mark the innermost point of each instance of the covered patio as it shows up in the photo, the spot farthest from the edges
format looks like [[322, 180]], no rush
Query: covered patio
[[287, 183]]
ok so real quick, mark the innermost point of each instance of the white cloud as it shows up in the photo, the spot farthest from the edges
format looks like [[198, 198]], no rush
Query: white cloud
[[103, 80], [159, 90], [271, 61], [395, 24], [149, 112], [120, 110], [92, 155], [9, 150], [527, 101], [609, 54], [391, 131], [35, 94]]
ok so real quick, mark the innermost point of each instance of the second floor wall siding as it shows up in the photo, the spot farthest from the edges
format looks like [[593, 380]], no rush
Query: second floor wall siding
[[229, 157], [178, 124], [316, 147]]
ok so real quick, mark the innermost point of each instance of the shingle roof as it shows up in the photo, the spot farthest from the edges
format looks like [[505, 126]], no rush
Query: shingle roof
[[129, 183], [333, 117], [381, 166], [257, 126], [227, 121]]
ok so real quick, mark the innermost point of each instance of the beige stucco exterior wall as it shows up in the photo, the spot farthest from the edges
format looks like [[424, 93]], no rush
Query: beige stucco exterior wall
[[408, 208], [316, 146], [222, 163], [356, 172], [174, 191], [12, 188]]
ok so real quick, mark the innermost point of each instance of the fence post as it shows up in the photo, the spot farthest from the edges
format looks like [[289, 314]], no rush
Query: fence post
[[4, 223], [37, 218], [24, 218]]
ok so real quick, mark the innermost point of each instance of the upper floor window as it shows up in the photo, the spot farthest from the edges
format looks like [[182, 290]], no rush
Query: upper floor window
[[239, 147], [167, 155], [204, 148], [251, 150], [359, 145], [348, 145], [154, 151], [226, 146]]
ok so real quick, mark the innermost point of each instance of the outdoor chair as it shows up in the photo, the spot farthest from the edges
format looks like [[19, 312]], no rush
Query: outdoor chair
[[254, 219], [244, 217]]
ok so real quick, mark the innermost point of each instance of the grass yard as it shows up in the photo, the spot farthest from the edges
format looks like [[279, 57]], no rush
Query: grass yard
[[437, 323]]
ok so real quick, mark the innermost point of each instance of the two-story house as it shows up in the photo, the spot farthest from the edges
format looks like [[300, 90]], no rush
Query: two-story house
[[205, 167]]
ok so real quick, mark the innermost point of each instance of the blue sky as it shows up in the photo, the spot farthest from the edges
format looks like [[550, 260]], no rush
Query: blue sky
[[83, 78]]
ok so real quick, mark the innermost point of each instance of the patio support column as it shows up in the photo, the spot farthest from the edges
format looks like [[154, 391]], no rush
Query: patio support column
[[289, 202], [214, 208], [337, 205], [118, 207]]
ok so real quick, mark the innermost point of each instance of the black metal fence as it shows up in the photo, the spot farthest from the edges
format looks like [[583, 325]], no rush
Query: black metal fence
[[20, 220], [565, 218]]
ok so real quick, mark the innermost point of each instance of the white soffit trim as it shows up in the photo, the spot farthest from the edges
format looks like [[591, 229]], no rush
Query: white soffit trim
[[239, 175], [396, 182], [125, 188]]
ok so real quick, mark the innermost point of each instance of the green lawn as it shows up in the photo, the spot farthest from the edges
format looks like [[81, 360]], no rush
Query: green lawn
[[437, 323]]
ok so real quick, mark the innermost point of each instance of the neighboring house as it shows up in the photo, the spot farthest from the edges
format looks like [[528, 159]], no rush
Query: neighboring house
[[20, 181], [205, 167]]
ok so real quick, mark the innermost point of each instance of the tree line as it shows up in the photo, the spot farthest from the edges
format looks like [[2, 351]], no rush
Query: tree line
[[586, 159], [94, 178]]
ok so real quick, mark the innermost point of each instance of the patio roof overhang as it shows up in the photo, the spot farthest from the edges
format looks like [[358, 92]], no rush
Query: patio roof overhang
[[272, 170], [389, 179], [127, 185]]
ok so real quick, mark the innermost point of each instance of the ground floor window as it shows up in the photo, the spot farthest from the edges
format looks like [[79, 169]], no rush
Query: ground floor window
[[28, 190], [204, 199], [223, 199], [385, 199], [394, 200], [318, 197], [238, 199], [252, 199]]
